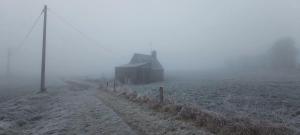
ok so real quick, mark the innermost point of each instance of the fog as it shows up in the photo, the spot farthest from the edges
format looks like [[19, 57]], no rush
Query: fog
[[193, 35], [225, 67]]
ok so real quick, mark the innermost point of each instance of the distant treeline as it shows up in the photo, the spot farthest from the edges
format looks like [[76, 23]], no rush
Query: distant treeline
[[283, 55]]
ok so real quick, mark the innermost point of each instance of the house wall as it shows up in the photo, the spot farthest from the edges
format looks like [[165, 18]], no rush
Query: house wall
[[157, 75], [125, 75], [138, 75], [143, 75]]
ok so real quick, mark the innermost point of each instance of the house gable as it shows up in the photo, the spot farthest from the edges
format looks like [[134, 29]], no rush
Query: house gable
[[141, 69]]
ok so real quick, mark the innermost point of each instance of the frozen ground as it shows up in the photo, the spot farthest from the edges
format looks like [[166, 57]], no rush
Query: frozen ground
[[60, 111], [8, 91], [146, 121], [266, 98], [80, 108], [18, 86]]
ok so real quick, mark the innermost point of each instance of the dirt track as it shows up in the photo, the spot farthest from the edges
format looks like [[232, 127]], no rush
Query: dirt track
[[145, 121]]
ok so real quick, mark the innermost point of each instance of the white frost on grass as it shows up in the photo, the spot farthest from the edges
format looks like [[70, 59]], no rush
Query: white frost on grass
[[60, 111]]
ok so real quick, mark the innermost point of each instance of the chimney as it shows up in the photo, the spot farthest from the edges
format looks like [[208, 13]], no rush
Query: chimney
[[153, 54]]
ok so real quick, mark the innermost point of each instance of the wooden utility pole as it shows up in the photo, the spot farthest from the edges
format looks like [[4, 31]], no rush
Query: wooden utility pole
[[43, 88], [8, 63]]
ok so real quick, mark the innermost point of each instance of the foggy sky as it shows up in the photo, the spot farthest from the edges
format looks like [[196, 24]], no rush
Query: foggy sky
[[187, 34]]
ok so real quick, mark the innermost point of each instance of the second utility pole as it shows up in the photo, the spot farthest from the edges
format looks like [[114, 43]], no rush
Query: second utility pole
[[43, 88], [8, 63]]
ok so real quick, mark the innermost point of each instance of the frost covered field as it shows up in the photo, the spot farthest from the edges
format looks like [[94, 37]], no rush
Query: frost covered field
[[264, 97], [18, 86], [14, 89], [61, 110]]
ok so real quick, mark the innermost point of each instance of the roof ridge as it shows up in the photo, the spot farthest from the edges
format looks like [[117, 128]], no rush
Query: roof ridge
[[141, 54]]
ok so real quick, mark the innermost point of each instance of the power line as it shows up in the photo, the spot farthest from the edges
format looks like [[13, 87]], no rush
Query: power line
[[79, 31], [43, 2], [29, 32]]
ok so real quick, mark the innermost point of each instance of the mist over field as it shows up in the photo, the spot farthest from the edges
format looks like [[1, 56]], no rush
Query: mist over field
[[188, 35], [217, 60]]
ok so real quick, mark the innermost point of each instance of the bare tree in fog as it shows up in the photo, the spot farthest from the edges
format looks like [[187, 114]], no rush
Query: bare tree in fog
[[283, 54]]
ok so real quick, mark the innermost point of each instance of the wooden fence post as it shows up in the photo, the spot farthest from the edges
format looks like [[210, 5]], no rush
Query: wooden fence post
[[114, 85], [161, 95]]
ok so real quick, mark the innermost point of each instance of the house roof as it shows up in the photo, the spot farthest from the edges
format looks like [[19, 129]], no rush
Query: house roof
[[142, 59], [134, 65]]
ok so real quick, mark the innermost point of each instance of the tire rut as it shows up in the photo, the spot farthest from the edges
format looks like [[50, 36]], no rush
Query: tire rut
[[145, 121]]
